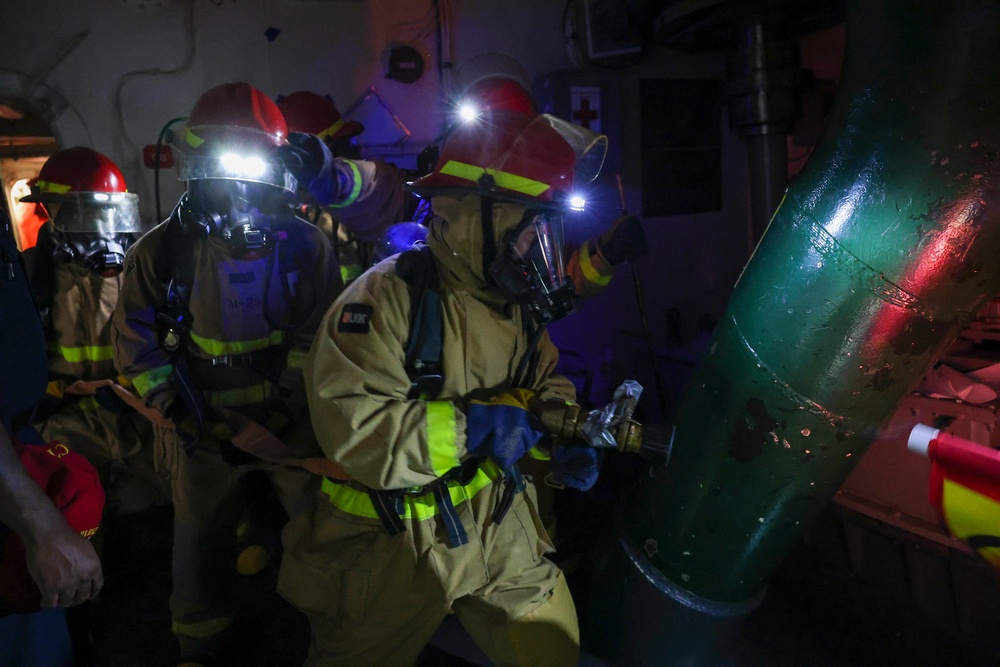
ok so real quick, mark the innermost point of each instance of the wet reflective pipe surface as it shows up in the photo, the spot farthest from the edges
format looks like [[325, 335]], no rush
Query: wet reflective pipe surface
[[881, 252]]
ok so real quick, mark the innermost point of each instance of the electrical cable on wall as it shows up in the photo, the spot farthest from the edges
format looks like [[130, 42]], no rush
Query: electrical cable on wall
[[156, 167], [123, 146]]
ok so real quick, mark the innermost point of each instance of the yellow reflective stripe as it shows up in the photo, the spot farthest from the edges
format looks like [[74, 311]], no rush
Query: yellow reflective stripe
[[242, 396], [87, 353], [296, 358], [332, 130], [539, 454], [154, 377], [589, 271], [349, 272], [202, 629], [221, 348], [88, 403], [969, 513], [503, 179], [418, 508], [349, 499], [441, 436], [192, 139], [49, 186], [355, 191]]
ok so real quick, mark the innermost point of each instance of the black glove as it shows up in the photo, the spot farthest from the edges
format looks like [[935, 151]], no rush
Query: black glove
[[624, 242], [311, 163]]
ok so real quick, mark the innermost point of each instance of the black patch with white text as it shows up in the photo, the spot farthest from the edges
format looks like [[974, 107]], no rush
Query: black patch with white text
[[355, 318]]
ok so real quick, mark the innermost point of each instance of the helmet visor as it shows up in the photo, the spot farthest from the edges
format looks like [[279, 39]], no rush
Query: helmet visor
[[95, 213], [590, 147], [539, 247], [237, 167]]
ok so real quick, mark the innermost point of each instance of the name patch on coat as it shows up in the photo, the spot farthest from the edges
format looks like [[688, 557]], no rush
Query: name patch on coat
[[355, 318], [241, 278]]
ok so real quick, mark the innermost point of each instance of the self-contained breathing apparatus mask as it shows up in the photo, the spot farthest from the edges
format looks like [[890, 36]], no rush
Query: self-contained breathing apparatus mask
[[239, 212], [92, 230], [530, 269]]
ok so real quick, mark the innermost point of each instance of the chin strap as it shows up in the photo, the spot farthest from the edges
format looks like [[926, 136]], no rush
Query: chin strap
[[489, 236]]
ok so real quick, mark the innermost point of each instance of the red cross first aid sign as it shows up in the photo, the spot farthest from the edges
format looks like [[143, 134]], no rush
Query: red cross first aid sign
[[585, 106]]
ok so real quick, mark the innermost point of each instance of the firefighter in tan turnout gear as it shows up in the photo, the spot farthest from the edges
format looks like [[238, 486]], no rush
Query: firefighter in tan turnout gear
[[431, 515], [374, 201], [75, 273], [218, 307]]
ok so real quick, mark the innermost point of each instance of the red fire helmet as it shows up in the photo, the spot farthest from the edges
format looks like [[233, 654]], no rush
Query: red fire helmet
[[516, 156], [74, 170], [93, 187], [499, 94], [494, 81], [306, 111], [233, 133]]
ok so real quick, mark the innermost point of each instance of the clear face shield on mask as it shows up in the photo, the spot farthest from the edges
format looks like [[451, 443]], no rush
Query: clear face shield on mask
[[93, 229], [531, 268], [94, 213]]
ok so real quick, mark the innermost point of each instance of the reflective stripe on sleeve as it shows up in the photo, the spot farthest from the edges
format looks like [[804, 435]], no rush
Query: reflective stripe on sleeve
[[441, 436], [590, 272], [87, 353], [355, 189], [539, 454], [350, 272], [296, 358], [151, 379]]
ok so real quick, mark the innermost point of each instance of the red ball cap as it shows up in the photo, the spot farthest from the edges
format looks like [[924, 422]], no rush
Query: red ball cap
[[75, 488]]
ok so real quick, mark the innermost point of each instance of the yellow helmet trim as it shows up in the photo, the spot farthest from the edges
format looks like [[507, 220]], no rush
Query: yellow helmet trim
[[503, 179]]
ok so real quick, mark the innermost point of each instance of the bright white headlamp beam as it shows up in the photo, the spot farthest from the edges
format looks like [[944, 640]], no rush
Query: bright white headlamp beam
[[251, 167], [467, 112]]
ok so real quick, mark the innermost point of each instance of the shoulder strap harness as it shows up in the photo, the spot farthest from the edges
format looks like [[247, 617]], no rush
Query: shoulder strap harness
[[423, 363]]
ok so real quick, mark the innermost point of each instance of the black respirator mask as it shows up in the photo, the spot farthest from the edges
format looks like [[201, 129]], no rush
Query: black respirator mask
[[530, 268], [239, 212], [88, 236], [105, 257]]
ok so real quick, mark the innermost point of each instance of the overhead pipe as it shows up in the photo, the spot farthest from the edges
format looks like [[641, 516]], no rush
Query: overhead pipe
[[761, 98], [882, 251]]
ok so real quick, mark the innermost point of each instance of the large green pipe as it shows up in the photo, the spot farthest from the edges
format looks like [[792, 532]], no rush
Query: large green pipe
[[882, 251]]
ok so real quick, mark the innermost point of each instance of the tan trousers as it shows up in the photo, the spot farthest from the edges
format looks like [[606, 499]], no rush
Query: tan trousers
[[120, 447], [376, 599], [207, 507]]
